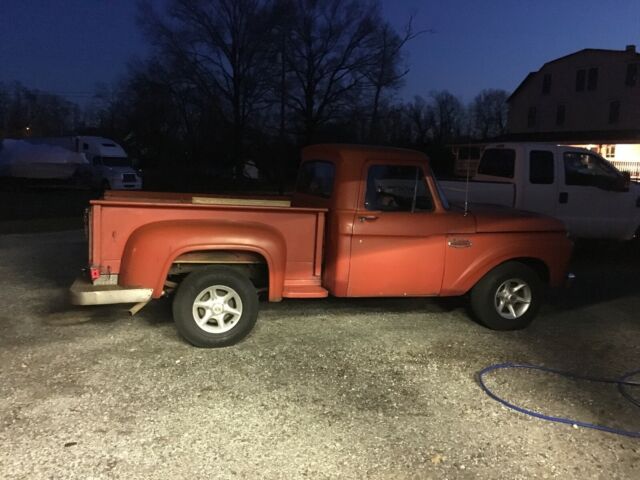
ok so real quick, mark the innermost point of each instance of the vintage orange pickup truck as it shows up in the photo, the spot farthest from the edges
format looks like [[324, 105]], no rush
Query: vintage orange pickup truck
[[362, 222]]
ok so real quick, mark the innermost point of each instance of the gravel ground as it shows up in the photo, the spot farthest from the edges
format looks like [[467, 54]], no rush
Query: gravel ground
[[377, 388]]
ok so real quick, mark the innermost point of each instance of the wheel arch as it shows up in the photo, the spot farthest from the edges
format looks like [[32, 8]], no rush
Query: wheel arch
[[147, 261]]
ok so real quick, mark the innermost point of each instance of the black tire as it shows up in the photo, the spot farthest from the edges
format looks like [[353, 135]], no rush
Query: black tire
[[228, 328], [494, 294]]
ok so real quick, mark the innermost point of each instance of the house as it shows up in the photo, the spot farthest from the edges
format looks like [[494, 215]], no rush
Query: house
[[590, 98]]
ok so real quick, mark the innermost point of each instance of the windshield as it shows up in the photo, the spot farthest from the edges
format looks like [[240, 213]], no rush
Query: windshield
[[116, 162]]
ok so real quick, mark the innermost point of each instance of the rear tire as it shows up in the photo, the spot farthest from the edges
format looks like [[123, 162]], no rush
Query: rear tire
[[508, 297], [215, 307]]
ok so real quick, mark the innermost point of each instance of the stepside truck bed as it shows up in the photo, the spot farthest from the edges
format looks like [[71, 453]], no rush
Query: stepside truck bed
[[136, 239]]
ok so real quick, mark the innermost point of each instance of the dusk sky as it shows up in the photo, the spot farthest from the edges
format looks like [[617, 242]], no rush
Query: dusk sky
[[68, 46]]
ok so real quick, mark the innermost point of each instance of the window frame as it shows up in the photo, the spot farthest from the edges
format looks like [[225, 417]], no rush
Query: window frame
[[420, 175], [312, 194], [553, 168], [480, 170], [546, 84]]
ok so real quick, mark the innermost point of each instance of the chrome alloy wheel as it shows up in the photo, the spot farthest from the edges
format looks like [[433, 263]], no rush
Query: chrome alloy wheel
[[217, 309], [512, 298]]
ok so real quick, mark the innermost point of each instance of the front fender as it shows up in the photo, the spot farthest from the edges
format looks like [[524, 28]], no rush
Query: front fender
[[151, 249], [465, 267]]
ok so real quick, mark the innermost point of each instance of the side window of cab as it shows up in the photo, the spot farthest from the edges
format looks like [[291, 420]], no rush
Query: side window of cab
[[397, 188]]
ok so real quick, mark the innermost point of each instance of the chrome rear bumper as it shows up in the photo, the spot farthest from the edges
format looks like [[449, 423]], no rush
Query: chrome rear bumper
[[83, 292]]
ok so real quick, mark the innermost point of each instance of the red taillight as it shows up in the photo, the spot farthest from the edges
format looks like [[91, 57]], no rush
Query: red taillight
[[94, 273]]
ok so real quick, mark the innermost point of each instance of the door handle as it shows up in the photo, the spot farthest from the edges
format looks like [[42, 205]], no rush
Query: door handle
[[368, 218], [563, 197]]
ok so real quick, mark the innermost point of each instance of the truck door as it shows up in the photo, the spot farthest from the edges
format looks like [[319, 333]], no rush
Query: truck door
[[587, 200], [539, 186], [397, 248]]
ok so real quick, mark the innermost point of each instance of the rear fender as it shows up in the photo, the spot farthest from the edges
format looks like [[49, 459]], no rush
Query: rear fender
[[151, 249]]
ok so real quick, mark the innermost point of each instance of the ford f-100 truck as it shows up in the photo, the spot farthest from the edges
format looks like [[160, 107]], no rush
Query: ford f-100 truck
[[362, 222]]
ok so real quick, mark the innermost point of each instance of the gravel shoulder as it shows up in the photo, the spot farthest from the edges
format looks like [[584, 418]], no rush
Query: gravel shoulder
[[335, 388]]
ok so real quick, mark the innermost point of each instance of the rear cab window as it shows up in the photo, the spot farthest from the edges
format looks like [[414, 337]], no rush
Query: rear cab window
[[397, 188], [316, 178]]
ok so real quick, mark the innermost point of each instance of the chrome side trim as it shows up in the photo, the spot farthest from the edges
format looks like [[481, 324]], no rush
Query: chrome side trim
[[83, 292], [459, 243]]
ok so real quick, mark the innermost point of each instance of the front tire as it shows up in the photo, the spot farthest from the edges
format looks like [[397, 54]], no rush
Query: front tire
[[508, 297], [215, 307]]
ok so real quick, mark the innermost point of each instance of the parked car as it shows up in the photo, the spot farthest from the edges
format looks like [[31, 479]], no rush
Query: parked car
[[591, 197], [363, 222]]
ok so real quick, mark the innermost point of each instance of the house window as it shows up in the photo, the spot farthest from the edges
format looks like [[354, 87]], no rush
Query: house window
[[632, 75], [546, 84], [560, 115], [609, 151], [592, 79], [614, 112], [531, 117], [581, 76]]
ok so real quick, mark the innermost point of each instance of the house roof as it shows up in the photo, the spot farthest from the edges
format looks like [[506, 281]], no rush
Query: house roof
[[530, 76]]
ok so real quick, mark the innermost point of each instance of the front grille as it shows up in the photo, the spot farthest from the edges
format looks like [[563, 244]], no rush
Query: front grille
[[128, 177]]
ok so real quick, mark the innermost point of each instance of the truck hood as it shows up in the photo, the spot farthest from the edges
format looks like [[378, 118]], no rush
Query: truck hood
[[490, 218]]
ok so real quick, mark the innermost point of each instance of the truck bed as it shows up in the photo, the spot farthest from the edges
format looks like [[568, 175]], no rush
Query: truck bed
[[117, 217]]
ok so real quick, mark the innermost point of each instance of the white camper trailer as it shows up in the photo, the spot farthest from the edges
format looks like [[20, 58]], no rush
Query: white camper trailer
[[95, 162], [23, 159]]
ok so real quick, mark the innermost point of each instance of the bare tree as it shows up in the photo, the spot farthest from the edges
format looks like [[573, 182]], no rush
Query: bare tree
[[387, 69], [489, 113], [421, 118], [223, 49], [447, 116], [328, 50]]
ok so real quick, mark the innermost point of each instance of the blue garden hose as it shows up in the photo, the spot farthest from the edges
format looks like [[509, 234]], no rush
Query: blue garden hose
[[623, 383]]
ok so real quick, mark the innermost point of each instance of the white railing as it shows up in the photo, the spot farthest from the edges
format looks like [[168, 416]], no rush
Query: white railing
[[633, 167]]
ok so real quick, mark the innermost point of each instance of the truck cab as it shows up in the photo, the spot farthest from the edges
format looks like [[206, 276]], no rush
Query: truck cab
[[109, 167]]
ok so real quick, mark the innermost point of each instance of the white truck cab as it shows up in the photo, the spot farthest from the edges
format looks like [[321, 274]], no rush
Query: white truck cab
[[575, 185], [109, 166]]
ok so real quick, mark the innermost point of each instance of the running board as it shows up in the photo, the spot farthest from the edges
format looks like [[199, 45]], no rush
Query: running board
[[304, 291]]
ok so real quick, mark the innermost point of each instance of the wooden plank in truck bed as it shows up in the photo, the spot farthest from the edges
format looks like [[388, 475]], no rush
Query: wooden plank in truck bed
[[243, 202]]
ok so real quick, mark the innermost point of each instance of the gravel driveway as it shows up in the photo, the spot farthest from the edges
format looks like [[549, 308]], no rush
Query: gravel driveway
[[321, 389]]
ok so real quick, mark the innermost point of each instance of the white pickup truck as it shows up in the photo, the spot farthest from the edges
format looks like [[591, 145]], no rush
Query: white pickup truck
[[575, 185]]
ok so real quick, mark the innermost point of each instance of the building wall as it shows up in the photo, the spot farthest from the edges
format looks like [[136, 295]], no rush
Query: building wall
[[586, 110]]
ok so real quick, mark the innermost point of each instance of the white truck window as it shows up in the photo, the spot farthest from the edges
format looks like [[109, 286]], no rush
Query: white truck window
[[541, 167], [587, 169], [498, 162]]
